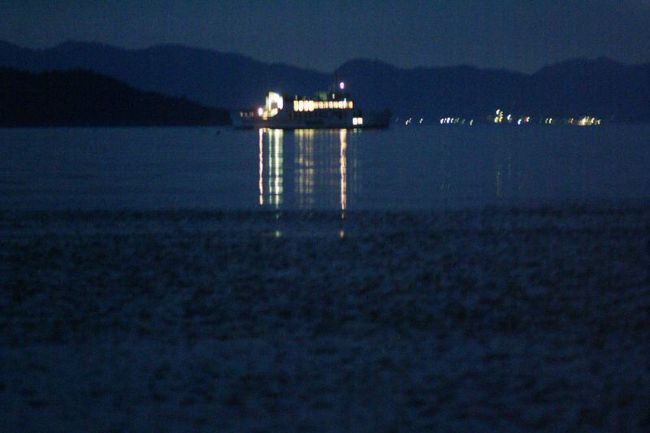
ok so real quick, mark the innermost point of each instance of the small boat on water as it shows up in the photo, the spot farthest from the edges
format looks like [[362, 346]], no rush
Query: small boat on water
[[332, 109]]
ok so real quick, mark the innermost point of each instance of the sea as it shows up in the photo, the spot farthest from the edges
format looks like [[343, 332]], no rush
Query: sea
[[402, 168], [420, 278]]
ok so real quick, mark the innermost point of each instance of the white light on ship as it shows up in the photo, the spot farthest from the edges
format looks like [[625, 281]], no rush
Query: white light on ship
[[260, 111], [274, 100], [342, 85]]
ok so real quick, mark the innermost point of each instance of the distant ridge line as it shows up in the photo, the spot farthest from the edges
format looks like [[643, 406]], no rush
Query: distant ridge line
[[603, 87]]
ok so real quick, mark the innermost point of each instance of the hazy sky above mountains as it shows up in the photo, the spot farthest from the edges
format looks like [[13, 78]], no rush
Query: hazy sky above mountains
[[514, 34]]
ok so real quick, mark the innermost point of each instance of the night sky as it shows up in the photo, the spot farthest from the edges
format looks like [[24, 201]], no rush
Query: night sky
[[514, 34]]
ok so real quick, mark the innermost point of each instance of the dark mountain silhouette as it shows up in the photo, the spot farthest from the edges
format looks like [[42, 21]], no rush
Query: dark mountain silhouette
[[208, 77], [437, 92], [83, 98], [599, 87]]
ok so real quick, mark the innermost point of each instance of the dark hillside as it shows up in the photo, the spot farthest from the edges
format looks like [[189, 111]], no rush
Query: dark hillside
[[84, 98]]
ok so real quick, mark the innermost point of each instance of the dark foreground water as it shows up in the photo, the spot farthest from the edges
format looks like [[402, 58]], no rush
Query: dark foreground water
[[464, 280]]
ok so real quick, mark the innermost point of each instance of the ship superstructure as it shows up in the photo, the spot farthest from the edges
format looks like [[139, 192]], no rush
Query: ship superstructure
[[332, 109]]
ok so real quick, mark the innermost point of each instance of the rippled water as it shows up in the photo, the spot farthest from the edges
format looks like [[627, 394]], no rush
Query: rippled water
[[401, 168]]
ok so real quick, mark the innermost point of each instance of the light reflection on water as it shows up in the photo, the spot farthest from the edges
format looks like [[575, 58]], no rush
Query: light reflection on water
[[344, 170], [320, 171], [304, 162], [271, 187]]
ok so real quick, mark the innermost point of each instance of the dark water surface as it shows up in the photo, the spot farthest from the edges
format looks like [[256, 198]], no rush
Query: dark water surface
[[431, 168]]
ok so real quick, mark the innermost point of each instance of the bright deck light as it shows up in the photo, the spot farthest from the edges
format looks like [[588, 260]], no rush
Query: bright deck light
[[342, 85], [274, 100]]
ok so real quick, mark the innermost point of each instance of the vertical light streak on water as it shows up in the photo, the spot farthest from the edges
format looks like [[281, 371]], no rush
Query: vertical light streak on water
[[343, 160], [261, 167], [499, 192], [343, 169], [305, 168], [276, 162]]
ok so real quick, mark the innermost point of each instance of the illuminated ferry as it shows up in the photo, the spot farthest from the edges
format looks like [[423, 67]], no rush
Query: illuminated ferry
[[333, 109]]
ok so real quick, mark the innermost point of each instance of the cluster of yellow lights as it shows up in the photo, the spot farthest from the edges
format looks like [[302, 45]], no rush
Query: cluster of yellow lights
[[585, 121], [499, 117], [310, 105], [456, 121], [509, 118]]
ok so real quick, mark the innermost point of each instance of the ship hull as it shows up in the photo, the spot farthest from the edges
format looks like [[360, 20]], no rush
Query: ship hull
[[370, 120]]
